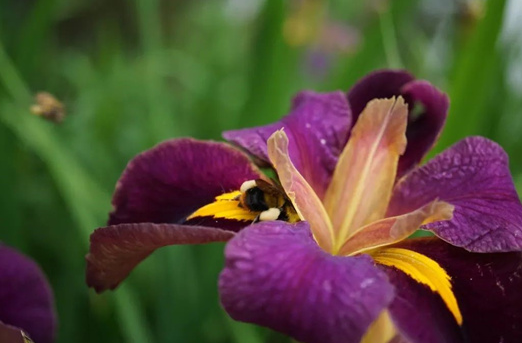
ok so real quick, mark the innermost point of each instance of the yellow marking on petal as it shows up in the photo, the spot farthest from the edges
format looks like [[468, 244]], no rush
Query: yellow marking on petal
[[382, 330], [226, 206], [394, 229], [363, 179], [305, 200], [423, 270], [229, 196]]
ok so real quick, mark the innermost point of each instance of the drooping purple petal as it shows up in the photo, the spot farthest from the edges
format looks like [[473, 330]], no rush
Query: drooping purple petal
[[116, 250], [425, 125], [26, 300], [419, 314], [428, 109], [277, 276], [487, 288], [173, 179], [317, 128], [381, 84], [473, 175]]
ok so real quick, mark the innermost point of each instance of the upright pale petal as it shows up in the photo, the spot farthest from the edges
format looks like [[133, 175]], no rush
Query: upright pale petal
[[276, 276], [308, 205], [317, 126], [394, 229], [472, 175], [428, 108], [364, 177]]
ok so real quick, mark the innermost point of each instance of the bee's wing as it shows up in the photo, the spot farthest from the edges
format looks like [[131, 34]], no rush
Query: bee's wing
[[267, 187], [273, 189]]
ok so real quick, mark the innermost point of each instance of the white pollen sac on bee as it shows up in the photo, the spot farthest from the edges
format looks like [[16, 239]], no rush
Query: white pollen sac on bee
[[270, 214], [245, 186]]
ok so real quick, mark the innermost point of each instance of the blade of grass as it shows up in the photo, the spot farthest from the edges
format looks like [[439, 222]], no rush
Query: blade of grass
[[274, 68], [389, 39], [161, 121], [86, 200], [471, 78]]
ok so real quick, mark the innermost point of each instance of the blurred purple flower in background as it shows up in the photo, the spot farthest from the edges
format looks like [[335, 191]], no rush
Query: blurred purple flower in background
[[26, 300], [346, 272]]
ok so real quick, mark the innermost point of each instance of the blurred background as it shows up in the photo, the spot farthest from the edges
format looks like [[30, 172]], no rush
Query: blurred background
[[132, 73]]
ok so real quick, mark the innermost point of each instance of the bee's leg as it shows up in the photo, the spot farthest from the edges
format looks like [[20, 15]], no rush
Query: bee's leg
[[256, 219], [270, 214], [283, 215]]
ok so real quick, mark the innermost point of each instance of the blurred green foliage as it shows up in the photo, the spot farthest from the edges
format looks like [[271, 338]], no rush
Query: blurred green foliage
[[133, 73]]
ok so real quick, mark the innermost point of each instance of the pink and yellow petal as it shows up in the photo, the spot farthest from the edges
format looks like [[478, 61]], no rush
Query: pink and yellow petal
[[428, 108], [306, 202], [317, 127], [365, 175], [395, 229]]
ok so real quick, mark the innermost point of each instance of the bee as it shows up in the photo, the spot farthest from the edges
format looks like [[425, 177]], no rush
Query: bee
[[269, 199]]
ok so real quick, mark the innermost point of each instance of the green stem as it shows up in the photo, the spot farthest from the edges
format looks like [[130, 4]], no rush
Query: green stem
[[87, 201], [389, 39]]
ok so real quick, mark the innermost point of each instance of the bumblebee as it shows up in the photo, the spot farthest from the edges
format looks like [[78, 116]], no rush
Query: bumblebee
[[269, 199]]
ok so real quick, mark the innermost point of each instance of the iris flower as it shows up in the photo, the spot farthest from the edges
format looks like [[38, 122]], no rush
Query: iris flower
[[26, 300], [346, 270]]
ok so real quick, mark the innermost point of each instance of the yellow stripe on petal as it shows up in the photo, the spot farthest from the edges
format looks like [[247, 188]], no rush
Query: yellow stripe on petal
[[305, 200], [363, 179], [423, 270], [226, 206], [229, 196]]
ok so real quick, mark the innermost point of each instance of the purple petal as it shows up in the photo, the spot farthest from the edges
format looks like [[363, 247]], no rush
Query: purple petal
[[473, 175], [173, 179], [116, 250], [317, 128], [419, 314], [381, 84], [424, 128], [277, 276], [425, 123], [487, 287], [26, 300]]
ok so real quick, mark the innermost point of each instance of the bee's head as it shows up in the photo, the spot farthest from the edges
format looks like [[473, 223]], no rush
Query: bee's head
[[245, 186]]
